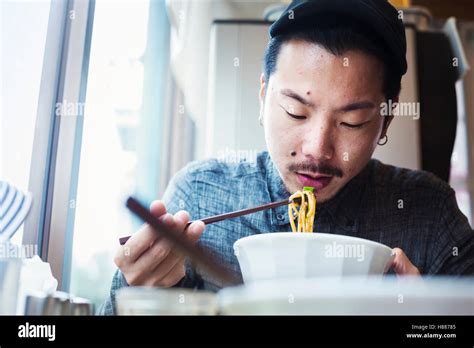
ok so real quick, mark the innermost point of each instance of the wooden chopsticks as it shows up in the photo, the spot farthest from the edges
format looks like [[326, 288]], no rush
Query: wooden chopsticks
[[216, 218]]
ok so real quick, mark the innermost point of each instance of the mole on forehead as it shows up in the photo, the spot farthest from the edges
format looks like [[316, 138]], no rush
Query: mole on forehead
[[308, 93]]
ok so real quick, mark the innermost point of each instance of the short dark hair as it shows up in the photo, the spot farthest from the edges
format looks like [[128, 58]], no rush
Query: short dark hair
[[338, 37]]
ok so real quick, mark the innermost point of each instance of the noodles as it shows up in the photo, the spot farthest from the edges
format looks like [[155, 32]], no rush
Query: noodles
[[305, 213]]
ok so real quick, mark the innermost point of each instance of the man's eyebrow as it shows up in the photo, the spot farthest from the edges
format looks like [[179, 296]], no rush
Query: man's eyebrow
[[357, 106], [296, 96]]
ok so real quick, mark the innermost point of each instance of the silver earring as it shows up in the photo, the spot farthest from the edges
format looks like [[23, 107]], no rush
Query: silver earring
[[383, 142]]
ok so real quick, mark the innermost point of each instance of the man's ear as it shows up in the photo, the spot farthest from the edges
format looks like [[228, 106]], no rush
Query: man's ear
[[388, 119], [386, 123], [263, 84], [261, 96]]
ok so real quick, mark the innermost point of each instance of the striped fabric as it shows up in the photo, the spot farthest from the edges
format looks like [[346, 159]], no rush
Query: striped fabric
[[14, 206]]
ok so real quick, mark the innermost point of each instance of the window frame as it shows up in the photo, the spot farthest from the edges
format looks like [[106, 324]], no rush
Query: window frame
[[57, 141]]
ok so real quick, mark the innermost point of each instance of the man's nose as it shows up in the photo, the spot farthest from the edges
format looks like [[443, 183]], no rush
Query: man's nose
[[318, 142]]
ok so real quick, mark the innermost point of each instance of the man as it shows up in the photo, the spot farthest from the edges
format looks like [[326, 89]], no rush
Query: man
[[328, 68]]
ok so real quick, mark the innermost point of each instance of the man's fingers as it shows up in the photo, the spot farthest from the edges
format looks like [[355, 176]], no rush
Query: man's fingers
[[161, 248], [153, 257], [176, 273], [142, 240], [148, 258], [167, 265], [402, 265], [174, 257], [181, 219], [157, 208], [194, 231]]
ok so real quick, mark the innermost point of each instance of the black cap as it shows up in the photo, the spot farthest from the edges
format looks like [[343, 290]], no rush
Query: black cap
[[376, 15]]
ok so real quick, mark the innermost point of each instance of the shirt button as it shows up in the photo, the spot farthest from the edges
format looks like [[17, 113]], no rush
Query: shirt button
[[280, 216]]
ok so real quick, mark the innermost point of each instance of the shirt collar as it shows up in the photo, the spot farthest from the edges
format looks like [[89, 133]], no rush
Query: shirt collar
[[343, 209]]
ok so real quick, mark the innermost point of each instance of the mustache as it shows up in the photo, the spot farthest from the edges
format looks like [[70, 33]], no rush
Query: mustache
[[314, 167]]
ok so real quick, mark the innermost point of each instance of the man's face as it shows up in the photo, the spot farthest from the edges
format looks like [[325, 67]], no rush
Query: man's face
[[335, 120]]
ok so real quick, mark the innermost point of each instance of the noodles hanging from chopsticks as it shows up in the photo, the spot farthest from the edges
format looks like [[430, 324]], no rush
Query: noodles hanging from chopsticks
[[303, 211]]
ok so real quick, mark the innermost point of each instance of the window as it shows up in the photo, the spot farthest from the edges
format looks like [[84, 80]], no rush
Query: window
[[110, 135], [21, 74]]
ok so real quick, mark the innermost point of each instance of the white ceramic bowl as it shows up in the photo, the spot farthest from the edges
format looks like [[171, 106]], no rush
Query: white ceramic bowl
[[307, 255]]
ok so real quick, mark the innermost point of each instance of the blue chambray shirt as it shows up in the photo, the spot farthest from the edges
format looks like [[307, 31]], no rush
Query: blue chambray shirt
[[413, 210]]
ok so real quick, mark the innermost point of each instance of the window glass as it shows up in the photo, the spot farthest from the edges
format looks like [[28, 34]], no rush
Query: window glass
[[107, 169], [22, 48]]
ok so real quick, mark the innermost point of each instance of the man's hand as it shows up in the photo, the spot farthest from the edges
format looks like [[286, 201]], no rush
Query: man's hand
[[146, 259], [402, 265]]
